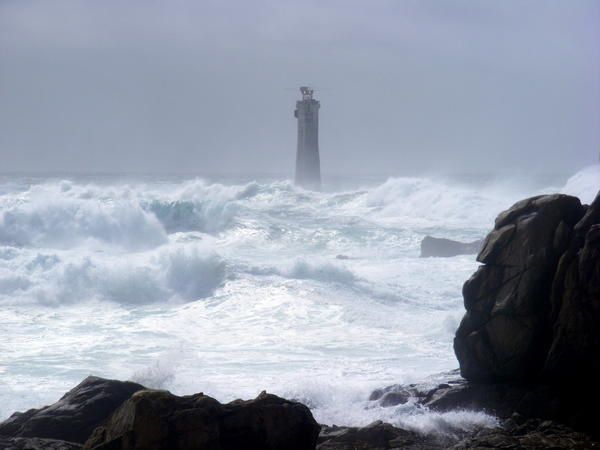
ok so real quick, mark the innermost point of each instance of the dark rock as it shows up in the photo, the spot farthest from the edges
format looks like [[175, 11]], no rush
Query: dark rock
[[542, 400], [496, 399], [395, 398], [330, 432], [379, 436], [531, 434], [505, 334], [75, 415], [534, 416], [529, 343], [160, 420], [456, 393], [591, 217], [574, 352], [514, 432], [36, 444], [530, 337], [432, 246], [394, 395]]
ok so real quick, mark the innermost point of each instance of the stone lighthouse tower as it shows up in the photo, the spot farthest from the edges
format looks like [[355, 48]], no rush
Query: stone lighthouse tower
[[308, 165]]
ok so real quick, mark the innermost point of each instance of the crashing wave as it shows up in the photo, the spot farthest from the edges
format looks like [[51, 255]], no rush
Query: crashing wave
[[172, 274], [424, 202], [585, 184], [61, 222], [135, 218]]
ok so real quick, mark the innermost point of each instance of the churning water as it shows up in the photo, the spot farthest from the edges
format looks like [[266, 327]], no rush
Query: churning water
[[232, 288]]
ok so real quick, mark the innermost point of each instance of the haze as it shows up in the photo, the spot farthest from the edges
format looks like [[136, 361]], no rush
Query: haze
[[210, 87]]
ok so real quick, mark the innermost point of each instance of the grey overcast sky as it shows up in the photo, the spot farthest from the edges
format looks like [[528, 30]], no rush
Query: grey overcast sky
[[406, 86]]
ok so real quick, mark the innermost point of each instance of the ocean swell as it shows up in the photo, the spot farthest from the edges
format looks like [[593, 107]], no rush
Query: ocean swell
[[168, 274], [314, 295]]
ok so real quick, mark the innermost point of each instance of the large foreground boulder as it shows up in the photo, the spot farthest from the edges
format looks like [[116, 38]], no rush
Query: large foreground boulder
[[110, 414], [517, 306], [75, 415], [575, 347], [529, 343], [155, 420]]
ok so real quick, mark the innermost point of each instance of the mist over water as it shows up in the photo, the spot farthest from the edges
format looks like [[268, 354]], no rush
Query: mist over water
[[233, 287]]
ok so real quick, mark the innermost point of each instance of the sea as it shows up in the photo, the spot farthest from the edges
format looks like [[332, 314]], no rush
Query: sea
[[234, 285]]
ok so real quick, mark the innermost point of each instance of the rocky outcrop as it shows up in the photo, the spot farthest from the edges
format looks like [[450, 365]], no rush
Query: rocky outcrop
[[528, 305], [574, 352], [154, 420], [109, 414], [531, 415], [379, 436], [531, 327], [454, 393], [432, 246], [545, 401], [529, 343], [75, 415], [514, 433], [533, 434]]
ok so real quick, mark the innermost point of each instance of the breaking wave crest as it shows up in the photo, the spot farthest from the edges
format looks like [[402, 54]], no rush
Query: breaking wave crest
[[301, 269], [138, 217], [426, 202], [132, 217], [68, 222], [319, 296], [199, 206], [67, 241], [585, 184], [172, 274]]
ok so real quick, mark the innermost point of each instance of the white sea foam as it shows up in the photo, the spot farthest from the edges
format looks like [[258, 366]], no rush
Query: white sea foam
[[160, 374], [585, 184], [230, 289], [425, 202], [318, 269], [66, 222], [169, 273]]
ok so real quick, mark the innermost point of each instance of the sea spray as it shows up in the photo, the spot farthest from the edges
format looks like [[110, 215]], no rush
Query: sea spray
[[242, 286]]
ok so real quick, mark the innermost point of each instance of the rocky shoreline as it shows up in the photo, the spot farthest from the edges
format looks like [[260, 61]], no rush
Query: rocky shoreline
[[528, 349], [94, 415]]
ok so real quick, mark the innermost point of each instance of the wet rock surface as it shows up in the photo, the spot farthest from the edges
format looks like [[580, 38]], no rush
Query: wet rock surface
[[514, 433], [506, 333], [153, 419], [530, 335], [544, 401], [75, 415], [529, 341], [379, 435], [518, 433], [110, 414]]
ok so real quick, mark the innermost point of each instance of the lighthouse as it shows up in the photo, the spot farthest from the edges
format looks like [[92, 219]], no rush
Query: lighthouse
[[308, 165]]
